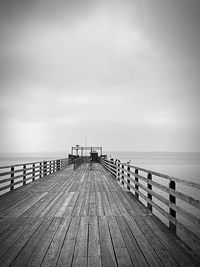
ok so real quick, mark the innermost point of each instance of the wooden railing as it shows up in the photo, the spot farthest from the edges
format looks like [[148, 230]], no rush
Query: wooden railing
[[79, 161], [13, 176], [152, 192]]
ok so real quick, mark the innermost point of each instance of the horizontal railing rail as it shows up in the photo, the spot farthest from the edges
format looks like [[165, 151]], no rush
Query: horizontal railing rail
[[13, 176], [152, 192]]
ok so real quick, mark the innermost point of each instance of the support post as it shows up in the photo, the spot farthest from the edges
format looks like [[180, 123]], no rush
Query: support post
[[50, 165], [118, 172], [57, 165], [33, 172], [149, 177], [172, 212], [111, 166], [115, 169], [136, 186], [12, 179], [40, 169], [54, 166], [128, 174], [44, 168], [122, 174], [24, 175]]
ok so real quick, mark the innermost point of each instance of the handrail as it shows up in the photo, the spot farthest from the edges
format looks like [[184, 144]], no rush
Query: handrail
[[27, 172], [129, 176]]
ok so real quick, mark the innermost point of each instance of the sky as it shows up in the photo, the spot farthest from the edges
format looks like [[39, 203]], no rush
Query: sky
[[123, 74]]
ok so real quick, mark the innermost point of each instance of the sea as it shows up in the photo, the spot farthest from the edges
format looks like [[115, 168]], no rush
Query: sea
[[183, 165]]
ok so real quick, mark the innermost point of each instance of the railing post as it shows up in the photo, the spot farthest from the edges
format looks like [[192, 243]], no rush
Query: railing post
[[136, 186], [57, 165], [49, 166], [52, 171], [111, 162], [115, 169], [149, 186], [128, 174], [24, 175], [12, 180], [53, 166], [44, 168], [33, 172], [122, 174], [118, 174], [172, 199], [40, 169]]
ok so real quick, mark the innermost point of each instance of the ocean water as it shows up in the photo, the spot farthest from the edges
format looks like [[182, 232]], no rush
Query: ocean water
[[18, 158], [185, 165], [182, 165]]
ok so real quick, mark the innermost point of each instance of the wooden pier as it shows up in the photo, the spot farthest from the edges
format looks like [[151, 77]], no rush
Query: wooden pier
[[84, 217]]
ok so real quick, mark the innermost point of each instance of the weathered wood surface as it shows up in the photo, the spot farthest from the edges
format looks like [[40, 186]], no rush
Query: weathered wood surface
[[84, 218]]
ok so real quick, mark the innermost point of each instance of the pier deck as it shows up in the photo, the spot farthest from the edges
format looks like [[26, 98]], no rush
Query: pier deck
[[84, 218]]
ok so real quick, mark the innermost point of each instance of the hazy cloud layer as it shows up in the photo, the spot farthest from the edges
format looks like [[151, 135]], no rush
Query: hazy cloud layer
[[124, 74]]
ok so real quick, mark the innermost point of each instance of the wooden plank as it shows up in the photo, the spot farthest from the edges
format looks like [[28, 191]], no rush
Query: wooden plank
[[99, 204], [120, 205], [67, 250], [32, 243], [12, 249], [106, 204], [5, 223], [85, 204], [41, 205], [130, 210], [64, 205], [92, 204], [77, 208], [10, 240], [136, 255], [54, 249], [166, 258], [71, 205], [46, 209], [180, 252], [15, 224], [149, 253], [19, 210], [107, 251], [81, 246], [94, 261], [113, 204], [94, 253], [41, 249], [16, 201], [121, 252]]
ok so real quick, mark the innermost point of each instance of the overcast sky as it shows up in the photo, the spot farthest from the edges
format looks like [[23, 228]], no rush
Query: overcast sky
[[124, 74]]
